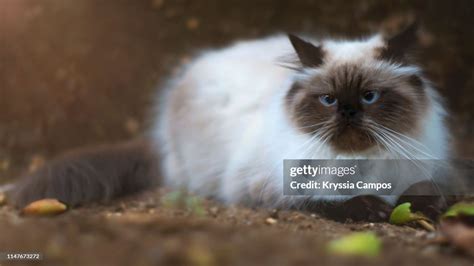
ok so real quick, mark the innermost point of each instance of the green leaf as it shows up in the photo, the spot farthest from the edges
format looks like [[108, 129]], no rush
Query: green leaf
[[365, 244], [196, 206], [402, 214], [182, 200], [172, 199], [461, 208]]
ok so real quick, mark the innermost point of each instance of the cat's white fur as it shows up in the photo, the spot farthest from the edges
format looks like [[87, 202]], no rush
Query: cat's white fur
[[222, 129]]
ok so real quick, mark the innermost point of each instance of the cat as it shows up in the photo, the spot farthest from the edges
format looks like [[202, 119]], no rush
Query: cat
[[224, 125]]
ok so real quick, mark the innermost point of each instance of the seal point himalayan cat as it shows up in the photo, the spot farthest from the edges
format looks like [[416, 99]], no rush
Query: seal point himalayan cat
[[224, 125]]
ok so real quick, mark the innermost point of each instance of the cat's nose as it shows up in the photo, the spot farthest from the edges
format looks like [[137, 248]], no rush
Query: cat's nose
[[348, 111]]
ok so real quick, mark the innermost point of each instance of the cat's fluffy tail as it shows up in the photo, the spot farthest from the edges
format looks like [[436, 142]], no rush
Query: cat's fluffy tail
[[91, 175]]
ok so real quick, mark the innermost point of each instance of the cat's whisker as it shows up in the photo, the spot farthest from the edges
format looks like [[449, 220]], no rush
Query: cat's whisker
[[427, 174], [381, 139], [409, 139], [325, 123]]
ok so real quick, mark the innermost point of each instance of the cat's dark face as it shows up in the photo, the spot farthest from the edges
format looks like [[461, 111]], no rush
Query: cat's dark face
[[351, 103]]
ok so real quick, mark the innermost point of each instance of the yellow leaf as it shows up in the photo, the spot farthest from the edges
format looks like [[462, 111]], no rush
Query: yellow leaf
[[45, 207]]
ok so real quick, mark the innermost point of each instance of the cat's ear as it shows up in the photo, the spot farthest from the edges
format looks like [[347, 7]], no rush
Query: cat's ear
[[399, 45], [308, 54]]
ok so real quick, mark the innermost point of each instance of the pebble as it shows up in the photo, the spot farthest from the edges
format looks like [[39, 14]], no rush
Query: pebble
[[213, 211], [421, 234], [270, 221]]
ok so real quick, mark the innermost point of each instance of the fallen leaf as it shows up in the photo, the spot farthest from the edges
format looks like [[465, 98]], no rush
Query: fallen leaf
[[172, 199], [461, 208], [182, 200], [402, 214], [195, 205], [45, 207], [365, 244]]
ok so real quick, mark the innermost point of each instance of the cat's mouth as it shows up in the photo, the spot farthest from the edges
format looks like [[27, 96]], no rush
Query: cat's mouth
[[350, 138]]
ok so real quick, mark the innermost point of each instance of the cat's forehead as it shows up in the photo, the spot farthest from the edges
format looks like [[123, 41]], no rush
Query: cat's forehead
[[354, 51], [356, 76]]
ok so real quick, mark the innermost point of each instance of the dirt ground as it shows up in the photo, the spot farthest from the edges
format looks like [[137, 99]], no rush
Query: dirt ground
[[76, 73]]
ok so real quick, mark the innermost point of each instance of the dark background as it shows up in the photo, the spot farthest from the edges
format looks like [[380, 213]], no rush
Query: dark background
[[75, 73], [83, 72]]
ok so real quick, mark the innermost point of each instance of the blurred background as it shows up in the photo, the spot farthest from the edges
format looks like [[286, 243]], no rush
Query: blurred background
[[82, 72]]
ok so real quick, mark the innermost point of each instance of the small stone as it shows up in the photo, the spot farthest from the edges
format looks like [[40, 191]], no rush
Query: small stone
[[214, 211], [270, 221], [421, 234], [368, 225]]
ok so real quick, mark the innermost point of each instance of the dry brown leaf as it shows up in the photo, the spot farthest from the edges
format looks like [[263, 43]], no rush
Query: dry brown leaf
[[45, 207]]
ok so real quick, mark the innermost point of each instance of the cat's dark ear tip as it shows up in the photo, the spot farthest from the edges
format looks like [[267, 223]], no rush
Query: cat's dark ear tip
[[413, 26], [414, 23], [293, 37], [410, 28], [309, 54]]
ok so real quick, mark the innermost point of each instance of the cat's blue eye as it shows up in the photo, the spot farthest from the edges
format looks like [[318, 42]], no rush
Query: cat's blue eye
[[327, 100], [370, 97]]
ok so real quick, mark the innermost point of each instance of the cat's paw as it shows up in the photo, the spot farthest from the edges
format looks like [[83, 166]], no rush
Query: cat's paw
[[359, 208], [367, 208]]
